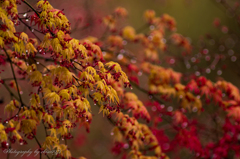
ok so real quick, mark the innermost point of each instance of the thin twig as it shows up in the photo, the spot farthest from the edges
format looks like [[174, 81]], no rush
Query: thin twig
[[18, 90]]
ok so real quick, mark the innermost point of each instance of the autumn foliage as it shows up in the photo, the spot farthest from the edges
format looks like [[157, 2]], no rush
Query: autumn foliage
[[68, 77]]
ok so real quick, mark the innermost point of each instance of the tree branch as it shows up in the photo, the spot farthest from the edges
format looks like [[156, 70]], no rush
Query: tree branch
[[14, 77]]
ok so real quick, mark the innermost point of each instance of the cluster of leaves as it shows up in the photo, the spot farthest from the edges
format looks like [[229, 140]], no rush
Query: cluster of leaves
[[173, 104], [62, 90]]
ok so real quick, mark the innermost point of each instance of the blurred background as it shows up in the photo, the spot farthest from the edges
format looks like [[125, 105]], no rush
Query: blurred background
[[196, 20], [215, 43]]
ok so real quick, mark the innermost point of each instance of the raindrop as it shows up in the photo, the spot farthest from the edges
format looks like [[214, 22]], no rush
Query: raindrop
[[205, 51], [214, 155], [224, 29], [139, 73], [27, 20], [133, 61], [7, 144], [21, 92], [183, 110], [120, 56], [188, 66], [208, 70], [37, 63], [164, 40], [152, 27], [154, 108], [150, 37], [193, 59], [212, 67], [170, 109], [221, 48], [172, 61], [125, 146], [166, 146], [122, 51], [219, 72], [112, 133], [197, 73], [233, 58], [162, 106], [223, 57], [199, 55], [207, 58], [184, 125], [238, 136], [32, 30], [21, 143], [230, 52], [195, 109], [124, 42], [6, 121], [25, 15]]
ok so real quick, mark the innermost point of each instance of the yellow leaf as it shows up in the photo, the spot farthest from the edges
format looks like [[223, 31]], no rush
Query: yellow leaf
[[50, 141], [98, 97], [83, 50], [129, 33], [49, 119], [117, 134], [64, 94], [24, 37], [91, 70], [114, 65], [52, 97]]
